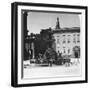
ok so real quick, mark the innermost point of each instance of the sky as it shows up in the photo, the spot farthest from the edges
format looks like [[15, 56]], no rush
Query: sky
[[43, 20]]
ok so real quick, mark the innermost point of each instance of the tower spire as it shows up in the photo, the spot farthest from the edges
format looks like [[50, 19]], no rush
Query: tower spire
[[57, 24]]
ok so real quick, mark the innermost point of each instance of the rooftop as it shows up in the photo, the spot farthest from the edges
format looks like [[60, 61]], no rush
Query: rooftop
[[67, 30]]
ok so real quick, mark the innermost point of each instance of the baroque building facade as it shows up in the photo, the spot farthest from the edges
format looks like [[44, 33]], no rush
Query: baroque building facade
[[67, 40]]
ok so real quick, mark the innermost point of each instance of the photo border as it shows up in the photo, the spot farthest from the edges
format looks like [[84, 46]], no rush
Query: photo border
[[14, 43]]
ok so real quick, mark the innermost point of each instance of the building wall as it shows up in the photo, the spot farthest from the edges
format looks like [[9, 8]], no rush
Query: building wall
[[65, 42]]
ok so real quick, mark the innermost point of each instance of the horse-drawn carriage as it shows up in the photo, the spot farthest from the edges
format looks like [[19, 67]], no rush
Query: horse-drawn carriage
[[50, 57]]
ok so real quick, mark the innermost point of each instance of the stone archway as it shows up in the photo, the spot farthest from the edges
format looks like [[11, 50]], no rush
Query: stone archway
[[76, 51]]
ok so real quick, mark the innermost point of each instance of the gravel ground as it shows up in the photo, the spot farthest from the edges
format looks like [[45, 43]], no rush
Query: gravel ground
[[36, 71]]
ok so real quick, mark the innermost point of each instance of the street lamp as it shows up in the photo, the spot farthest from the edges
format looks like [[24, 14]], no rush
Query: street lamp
[[32, 47]]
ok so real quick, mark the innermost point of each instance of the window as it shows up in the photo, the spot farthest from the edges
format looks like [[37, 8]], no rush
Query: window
[[68, 39], [78, 38], [64, 50], [74, 35], [57, 36], [68, 51], [74, 38], [58, 41], [64, 41], [63, 35]]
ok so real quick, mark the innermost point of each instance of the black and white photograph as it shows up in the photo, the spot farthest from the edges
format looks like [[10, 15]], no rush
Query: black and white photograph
[[51, 44]]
